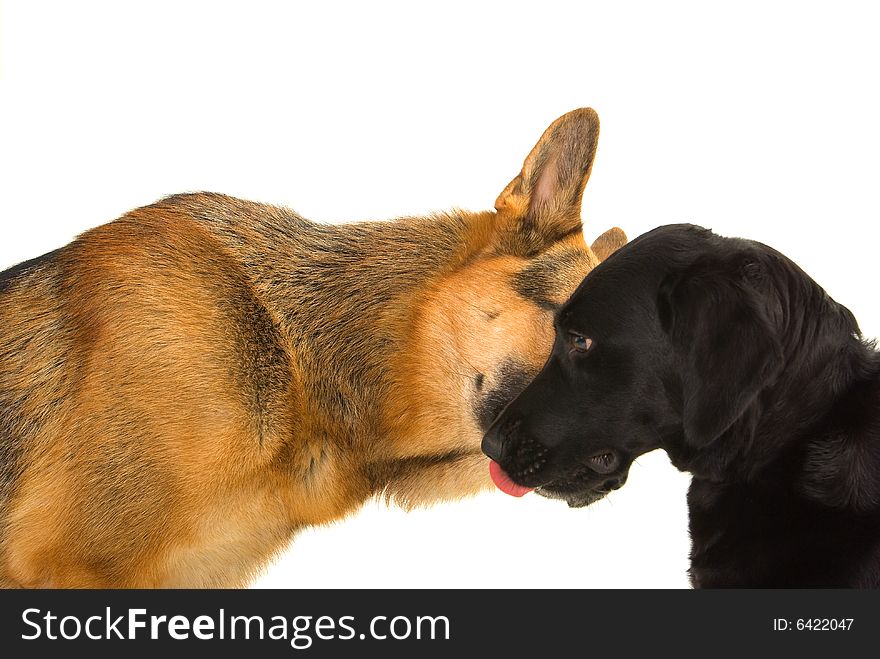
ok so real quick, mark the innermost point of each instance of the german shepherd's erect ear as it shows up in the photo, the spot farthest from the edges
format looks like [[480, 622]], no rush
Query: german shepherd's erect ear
[[543, 203]]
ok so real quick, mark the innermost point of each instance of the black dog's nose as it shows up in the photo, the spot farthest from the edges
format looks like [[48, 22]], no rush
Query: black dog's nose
[[493, 444]]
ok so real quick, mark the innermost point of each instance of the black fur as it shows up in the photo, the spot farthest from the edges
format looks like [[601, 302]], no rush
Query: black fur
[[510, 378], [728, 356]]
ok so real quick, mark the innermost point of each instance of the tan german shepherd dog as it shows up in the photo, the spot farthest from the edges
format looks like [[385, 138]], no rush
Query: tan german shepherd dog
[[183, 389]]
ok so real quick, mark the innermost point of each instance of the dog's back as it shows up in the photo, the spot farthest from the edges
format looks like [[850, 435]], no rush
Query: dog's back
[[148, 316], [33, 350]]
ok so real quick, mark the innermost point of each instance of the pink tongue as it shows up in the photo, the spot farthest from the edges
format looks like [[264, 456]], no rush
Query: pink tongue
[[504, 483]]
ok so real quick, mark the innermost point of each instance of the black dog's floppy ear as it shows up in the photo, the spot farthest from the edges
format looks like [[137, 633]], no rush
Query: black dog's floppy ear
[[725, 343]]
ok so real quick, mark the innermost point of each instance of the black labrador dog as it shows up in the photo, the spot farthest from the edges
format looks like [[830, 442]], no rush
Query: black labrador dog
[[728, 356]]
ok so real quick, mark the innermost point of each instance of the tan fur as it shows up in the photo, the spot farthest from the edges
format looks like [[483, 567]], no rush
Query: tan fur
[[608, 243], [182, 389]]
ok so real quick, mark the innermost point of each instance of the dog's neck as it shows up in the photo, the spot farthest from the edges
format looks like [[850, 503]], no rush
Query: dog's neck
[[833, 439], [841, 456], [342, 296], [812, 483]]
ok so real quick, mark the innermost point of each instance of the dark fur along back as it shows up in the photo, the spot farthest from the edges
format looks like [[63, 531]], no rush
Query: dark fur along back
[[48, 378]]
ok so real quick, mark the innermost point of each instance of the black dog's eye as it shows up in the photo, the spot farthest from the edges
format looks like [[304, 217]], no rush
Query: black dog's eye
[[579, 342], [604, 463]]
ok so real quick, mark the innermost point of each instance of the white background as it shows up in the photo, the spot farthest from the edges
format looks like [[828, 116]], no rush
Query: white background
[[758, 120]]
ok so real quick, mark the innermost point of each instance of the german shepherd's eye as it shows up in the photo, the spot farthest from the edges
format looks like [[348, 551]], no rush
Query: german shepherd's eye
[[579, 342]]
